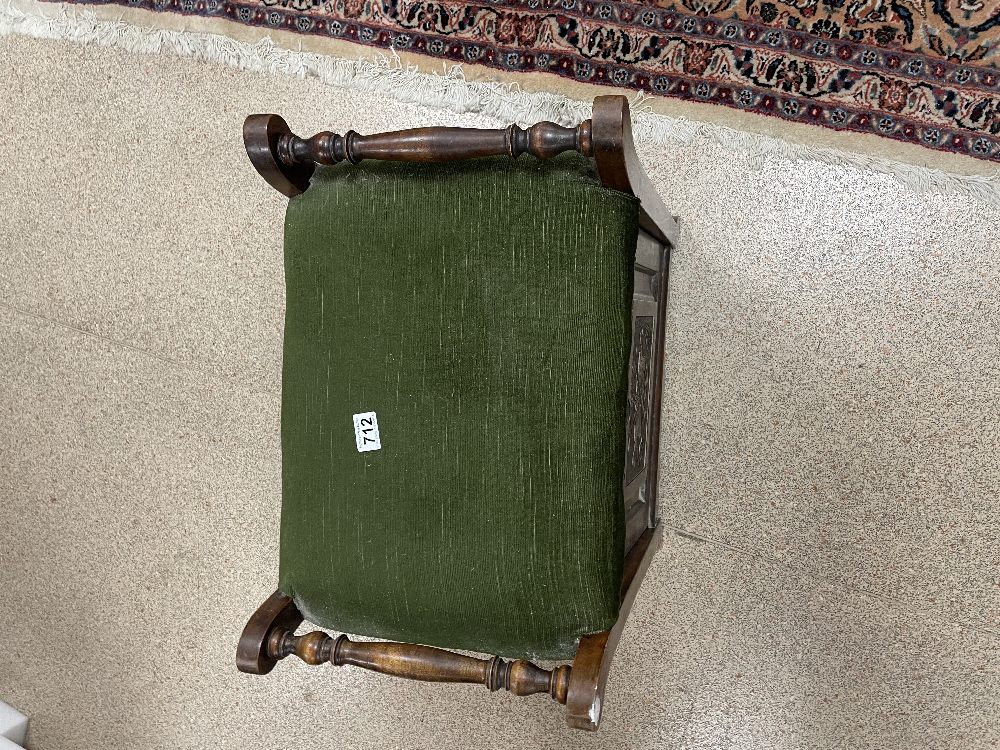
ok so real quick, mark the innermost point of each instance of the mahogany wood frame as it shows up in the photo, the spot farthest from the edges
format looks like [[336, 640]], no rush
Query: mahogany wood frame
[[287, 162]]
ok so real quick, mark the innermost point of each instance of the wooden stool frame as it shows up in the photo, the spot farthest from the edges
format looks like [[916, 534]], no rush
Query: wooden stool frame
[[287, 162]]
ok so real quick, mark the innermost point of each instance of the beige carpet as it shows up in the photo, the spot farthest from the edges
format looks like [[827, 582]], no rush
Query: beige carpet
[[830, 470]]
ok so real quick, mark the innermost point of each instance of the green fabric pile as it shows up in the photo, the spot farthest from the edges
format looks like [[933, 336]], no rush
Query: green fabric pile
[[481, 309]]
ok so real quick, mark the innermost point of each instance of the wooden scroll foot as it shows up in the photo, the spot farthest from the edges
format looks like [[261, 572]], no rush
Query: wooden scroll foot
[[263, 137], [596, 651], [278, 612], [270, 636]]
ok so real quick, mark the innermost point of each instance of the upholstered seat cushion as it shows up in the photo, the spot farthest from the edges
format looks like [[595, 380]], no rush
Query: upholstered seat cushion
[[481, 310]]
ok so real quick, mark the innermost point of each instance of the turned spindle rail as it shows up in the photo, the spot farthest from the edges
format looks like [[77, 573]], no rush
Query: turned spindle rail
[[544, 140], [415, 662], [287, 161]]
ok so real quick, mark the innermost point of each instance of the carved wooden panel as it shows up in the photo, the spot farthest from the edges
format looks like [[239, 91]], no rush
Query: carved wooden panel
[[638, 397], [645, 379]]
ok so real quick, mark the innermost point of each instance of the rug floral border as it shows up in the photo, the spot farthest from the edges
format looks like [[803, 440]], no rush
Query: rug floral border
[[743, 37]]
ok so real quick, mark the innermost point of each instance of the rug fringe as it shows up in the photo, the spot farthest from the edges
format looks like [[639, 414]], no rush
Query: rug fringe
[[450, 90]]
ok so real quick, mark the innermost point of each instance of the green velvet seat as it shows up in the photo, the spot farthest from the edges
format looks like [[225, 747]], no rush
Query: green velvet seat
[[481, 309]]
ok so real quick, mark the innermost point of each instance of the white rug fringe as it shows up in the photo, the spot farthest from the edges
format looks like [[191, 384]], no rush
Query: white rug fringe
[[450, 90]]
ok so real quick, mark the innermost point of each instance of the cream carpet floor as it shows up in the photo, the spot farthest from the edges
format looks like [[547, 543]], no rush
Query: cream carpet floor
[[831, 576]]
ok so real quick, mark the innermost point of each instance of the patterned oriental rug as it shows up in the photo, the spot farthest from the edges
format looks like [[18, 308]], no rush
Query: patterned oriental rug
[[924, 72]]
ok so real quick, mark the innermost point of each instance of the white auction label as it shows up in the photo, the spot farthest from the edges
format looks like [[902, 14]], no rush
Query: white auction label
[[366, 432]]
